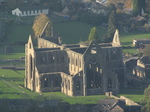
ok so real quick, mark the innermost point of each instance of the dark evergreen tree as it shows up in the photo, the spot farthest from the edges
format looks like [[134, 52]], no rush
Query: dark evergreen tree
[[55, 5], [112, 7], [112, 26], [93, 35], [138, 5]]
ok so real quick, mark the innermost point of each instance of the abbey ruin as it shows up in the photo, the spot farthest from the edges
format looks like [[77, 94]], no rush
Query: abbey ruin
[[75, 70]]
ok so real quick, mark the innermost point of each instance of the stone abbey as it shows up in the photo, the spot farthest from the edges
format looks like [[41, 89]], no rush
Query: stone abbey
[[74, 69]]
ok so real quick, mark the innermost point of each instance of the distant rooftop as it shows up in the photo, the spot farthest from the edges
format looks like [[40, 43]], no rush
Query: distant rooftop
[[31, 8], [46, 49], [79, 50]]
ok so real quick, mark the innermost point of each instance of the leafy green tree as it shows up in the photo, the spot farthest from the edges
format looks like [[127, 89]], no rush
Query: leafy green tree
[[145, 102], [112, 26], [93, 35], [39, 23]]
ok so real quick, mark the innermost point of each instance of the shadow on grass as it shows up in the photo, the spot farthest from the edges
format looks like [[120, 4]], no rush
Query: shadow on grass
[[130, 91]]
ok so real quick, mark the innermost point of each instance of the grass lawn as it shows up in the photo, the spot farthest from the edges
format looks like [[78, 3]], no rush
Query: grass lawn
[[71, 32], [75, 31], [18, 34], [10, 79], [135, 94], [127, 38]]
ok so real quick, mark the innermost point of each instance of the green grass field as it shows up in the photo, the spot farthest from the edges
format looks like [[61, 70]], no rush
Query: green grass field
[[10, 88], [135, 94], [74, 32], [71, 32], [127, 38]]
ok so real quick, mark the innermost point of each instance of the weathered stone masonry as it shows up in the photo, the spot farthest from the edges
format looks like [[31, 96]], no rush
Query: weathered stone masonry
[[74, 69]]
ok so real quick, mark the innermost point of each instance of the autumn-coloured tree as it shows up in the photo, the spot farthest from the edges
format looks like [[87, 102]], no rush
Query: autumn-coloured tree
[[39, 23], [93, 35]]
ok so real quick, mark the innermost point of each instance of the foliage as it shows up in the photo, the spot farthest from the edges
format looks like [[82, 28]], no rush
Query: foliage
[[55, 5], [93, 35], [75, 31], [135, 94], [138, 5], [147, 27], [146, 100], [39, 23], [112, 7], [146, 50], [136, 9], [2, 29], [91, 18], [9, 88], [112, 26]]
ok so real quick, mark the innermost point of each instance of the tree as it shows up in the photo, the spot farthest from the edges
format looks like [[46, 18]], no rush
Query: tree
[[112, 26], [39, 23], [136, 9], [11, 4], [112, 7], [146, 100], [138, 5], [55, 5], [93, 35], [146, 51]]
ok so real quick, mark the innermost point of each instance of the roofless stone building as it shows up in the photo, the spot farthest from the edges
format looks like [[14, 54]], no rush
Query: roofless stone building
[[74, 69]]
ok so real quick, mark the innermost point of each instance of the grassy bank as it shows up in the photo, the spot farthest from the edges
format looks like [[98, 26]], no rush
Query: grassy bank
[[12, 82], [135, 94], [11, 87]]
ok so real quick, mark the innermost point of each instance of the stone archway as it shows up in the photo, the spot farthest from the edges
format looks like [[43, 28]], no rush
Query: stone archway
[[109, 84]]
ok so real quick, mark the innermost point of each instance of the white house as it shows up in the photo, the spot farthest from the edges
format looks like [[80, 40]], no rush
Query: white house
[[98, 8], [33, 11]]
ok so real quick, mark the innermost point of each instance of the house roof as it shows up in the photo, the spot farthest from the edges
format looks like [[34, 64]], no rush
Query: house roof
[[71, 45], [31, 8], [46, 49], [96, 5], [79, 50], [111, 103], [145, 60], [53, 39], [141, 40]]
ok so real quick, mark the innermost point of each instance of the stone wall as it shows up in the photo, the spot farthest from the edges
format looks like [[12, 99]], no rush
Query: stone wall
[[128, 101]]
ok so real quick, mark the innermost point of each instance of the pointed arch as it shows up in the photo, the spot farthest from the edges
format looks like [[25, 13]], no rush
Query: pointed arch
[[109, 86], [45, 82], [57, 82], [78, 86], [116, 40]]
